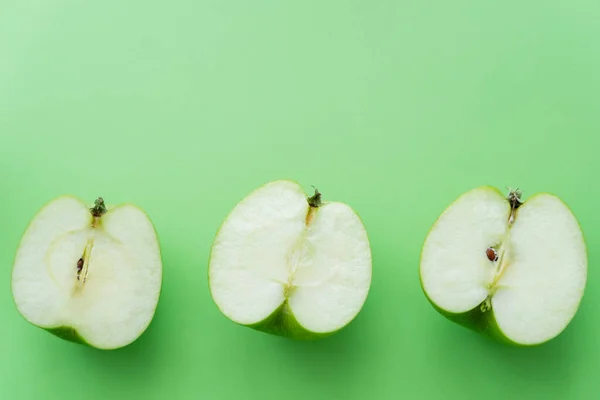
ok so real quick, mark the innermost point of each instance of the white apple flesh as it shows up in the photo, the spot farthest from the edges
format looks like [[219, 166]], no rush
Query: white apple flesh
[[288, 265], [513, 270], [89, 275]]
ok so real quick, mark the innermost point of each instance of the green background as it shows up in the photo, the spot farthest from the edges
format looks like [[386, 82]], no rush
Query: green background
[[395, 107]]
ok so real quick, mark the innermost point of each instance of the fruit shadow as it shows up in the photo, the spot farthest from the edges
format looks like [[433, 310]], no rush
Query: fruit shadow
[[323, 363], [462, 352], [132, 365]]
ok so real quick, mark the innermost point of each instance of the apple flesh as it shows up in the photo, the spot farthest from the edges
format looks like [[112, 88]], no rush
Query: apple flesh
[[513, 270], [289, 265], [88, 275]]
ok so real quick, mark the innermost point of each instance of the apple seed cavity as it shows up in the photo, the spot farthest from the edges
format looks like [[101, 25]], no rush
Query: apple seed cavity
[[314, 202], [514, 199], [83, 263], [79, 266]]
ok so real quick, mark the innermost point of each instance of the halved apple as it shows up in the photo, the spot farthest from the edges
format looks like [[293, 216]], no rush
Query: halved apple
[[89, 275], [290, 265], [514, 270]]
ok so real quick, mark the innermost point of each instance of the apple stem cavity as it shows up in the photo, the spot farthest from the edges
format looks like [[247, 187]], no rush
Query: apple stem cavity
[[514, 198], [315, 201]]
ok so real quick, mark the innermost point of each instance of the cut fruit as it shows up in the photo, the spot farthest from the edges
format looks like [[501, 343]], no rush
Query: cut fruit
[[288, 265], [514, 270], [89, 275]]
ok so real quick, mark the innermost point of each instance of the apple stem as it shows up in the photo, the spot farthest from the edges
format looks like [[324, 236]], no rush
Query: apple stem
[[315, 200], [99, 208], [514, 199]]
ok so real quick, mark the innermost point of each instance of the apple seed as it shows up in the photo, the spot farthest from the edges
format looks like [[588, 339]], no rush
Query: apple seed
[[491, 254]]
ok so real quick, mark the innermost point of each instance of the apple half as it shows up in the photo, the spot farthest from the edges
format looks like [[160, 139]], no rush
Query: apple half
[[289, 265], [88, 275], [513, 270]]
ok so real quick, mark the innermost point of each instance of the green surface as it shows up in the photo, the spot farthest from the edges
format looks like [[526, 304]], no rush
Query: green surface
[[395, 108]]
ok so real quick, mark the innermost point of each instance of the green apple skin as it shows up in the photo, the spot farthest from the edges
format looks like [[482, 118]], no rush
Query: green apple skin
[[68, 333], [282, 321], [476, 320]]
